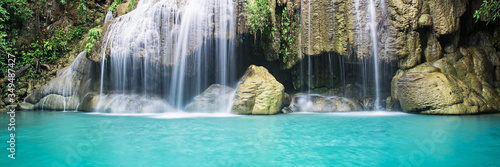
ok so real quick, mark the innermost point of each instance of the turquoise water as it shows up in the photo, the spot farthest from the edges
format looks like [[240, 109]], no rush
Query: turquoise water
[[347, 139]]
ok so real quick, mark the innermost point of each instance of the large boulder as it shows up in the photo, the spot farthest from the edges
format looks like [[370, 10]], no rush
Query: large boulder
[[258, 93], [456, 84], [214, 99], [319, 103]]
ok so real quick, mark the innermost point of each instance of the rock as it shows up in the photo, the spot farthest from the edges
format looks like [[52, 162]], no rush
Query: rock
[[71, 84], [318, 103], [371, 103], [122, 103], [392, 104], [433, 51], [89, 103], [258, 93], [446, 15], [430, 93], [57, 103], [2, 104], [286, 110], [459, 84], [424, 20], [25, 106], [214, 99], [411, 54], [287, 100], [481, 38]]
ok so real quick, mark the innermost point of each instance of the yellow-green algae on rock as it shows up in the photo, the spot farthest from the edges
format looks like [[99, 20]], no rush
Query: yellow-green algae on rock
[[258, 93]]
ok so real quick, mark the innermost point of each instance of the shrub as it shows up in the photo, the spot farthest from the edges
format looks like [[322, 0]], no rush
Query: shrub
[[94, 35], [489, 9]]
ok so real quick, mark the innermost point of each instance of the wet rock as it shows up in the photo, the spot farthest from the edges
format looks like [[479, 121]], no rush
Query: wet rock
[[25, 106], [258, 93], [57, 103], [287, 99], [286, 110], [392, 104], [71, 84], [372, 103], [89, 103], [122, 103], [318, 103], [214, 99]]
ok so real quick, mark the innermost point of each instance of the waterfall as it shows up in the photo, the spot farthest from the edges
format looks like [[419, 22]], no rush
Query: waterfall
[[358, 65], [109, 16], [373, 32], [170, 50], [65, 91]]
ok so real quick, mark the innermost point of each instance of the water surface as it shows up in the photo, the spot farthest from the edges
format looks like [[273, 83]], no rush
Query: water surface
[[298, 139]]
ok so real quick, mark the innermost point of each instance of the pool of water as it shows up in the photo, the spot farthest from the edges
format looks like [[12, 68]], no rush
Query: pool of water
[[298, 139]]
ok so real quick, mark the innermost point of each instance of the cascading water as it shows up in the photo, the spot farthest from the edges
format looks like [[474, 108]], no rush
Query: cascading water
[[65, 91], [169, 50], [373, 32], [109, 16], [363, 48]]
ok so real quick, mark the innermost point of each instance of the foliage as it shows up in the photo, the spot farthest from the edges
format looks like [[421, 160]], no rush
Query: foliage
[[258, 15], [13, 14], [489, 9], [94, 35], [275, 41], [131, 5], [49, 50], [81, 9], [115, 3], [53, 48], [288, 33], [260, 25]]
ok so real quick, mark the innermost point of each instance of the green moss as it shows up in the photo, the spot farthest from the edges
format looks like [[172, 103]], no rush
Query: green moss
[[81, 10], [258, 16], [288, 40], [94, 35], [131, 5], [115, 3], [276, 38]]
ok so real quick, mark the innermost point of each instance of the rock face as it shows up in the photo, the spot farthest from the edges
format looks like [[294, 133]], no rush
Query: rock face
[[334, 26], [258, 93], [457, 84], [70, 86], [318, 103], [214, 99], [419, 24]]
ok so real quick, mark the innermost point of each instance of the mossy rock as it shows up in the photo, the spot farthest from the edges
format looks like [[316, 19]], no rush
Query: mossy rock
[[258, 93]]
